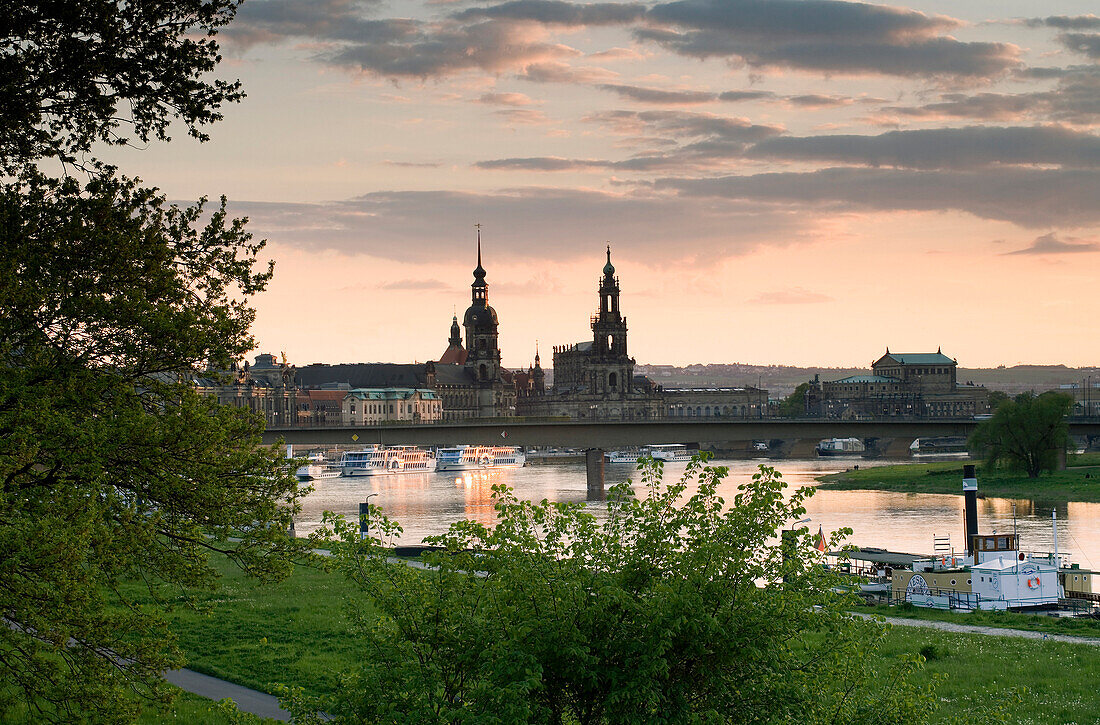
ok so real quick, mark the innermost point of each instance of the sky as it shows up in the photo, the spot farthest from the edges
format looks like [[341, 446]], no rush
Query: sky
[[800, 182]]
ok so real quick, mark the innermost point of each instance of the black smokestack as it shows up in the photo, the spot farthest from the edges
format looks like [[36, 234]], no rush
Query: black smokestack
[[970, 495]]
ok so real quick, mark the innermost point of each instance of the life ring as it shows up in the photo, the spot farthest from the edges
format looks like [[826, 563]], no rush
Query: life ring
[[1033, 582]]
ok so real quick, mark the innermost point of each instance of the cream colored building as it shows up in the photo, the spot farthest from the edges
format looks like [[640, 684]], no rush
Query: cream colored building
[[367, 406]]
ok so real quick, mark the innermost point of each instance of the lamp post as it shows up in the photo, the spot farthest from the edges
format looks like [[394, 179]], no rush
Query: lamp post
[[364, 517]]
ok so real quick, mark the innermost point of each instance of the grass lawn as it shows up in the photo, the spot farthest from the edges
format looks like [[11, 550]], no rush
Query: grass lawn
[[980, 671], [946, 477], [261, 635], [293, 633], [1075, 626]]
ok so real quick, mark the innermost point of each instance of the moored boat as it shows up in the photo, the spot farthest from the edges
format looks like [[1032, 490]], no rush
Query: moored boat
[[317, 468], [943, 445], [840, 447], [474, 458], [383, 460], [672, 452], [625, 455]]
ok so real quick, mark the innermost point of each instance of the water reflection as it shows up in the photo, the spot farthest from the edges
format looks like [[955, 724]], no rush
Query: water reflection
[[427, 503]]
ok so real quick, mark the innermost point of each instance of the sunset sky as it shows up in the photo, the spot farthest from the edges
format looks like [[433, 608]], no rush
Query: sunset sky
[[781, 182]]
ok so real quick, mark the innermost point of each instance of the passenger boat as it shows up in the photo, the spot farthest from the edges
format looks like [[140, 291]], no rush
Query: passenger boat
[[383, 460], [672, 452], [626, 455], [316, 469], [943, 445], [474, 458], [840, 447]]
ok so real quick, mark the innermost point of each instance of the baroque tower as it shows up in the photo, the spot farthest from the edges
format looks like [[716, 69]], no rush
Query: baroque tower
[[482, 353], [616, 369]]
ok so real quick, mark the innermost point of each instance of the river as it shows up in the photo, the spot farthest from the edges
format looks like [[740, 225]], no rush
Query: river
[[427, 503]]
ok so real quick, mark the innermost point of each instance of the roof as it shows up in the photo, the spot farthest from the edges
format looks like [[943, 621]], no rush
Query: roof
[[455, 355], [391, 393], [919, 358], [453, 374], [364, 375], [867, 379], [880, 556], [1010, 562]]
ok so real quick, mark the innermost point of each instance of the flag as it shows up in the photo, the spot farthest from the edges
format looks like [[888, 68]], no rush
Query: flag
[[820, 544]]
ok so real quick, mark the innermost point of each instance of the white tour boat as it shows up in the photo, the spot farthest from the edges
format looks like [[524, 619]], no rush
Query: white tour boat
[[840, 447], [316, 469], [474, 458], [626, 455], [383, 460], [672, 452]]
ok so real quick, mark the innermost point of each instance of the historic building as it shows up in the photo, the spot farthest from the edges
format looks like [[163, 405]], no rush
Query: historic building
[[470, 379], [900, 385], [746, 402], [267, 388], [595, 379], [367, 406]]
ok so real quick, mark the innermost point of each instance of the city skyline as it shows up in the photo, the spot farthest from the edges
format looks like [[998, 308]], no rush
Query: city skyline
[[782, 182]]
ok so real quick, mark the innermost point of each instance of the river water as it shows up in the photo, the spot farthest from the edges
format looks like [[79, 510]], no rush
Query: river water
[[427, 503]]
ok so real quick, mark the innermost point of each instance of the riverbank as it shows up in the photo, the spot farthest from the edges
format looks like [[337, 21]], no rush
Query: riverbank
[[1079, 482], [295, 633]]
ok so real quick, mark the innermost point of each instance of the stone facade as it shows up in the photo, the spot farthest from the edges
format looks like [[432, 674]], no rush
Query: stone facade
[[747, 402], [594, 379], [267, 388], [920, 385], [368, 406]]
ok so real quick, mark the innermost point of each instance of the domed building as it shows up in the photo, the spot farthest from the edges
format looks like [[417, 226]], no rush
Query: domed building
[[470, 379]]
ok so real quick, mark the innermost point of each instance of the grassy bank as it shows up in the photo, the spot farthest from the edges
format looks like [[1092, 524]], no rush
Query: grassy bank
[[1080, 482], [294, 633]]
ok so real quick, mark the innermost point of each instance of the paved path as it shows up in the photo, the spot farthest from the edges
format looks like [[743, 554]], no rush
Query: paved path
[[979, 629], [252, 701]]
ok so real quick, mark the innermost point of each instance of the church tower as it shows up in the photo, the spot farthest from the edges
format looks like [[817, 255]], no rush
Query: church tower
[[480, 321], [538, 376], [455, 354], [615, 372]]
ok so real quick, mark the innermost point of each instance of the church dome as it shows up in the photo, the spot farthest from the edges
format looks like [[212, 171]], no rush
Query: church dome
[[479, 317], [609, 268]]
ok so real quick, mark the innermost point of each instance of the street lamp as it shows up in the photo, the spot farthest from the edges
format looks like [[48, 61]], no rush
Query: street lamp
[[364, 516]]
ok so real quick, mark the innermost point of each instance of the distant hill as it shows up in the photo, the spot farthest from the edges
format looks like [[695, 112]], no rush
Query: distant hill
[[780, 380]]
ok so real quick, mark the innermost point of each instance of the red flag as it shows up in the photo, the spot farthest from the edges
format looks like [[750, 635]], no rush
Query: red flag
[[820, 545]]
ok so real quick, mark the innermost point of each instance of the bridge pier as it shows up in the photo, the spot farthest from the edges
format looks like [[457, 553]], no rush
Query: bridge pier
[[594, 467]]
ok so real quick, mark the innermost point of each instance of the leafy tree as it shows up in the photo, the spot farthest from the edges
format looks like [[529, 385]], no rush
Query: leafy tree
[[75, 73], [794, 405], [1025, 433], [112, 467], [996, 397], [676, 608]]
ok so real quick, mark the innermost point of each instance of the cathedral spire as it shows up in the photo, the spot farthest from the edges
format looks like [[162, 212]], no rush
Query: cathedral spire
[[479, 271]]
